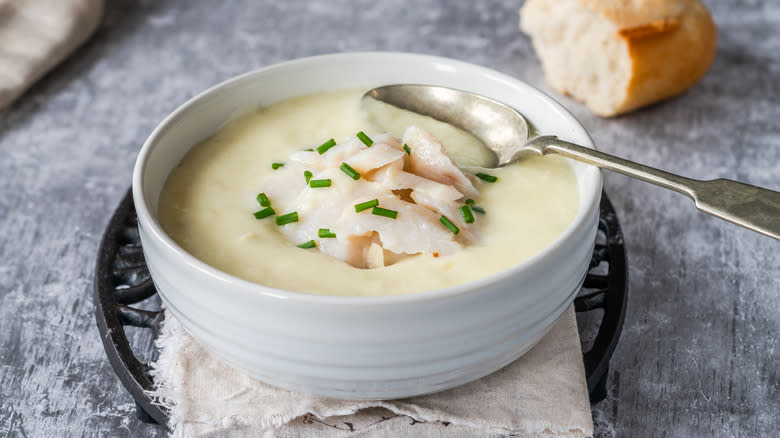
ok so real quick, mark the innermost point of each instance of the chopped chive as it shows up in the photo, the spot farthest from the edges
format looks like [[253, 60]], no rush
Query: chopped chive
[[366, 205], [379, 211], [287, 218], [263, 200], [469, 202], [465, 211], [365, 139], [321, 149], [320, 183], [275, 166], [478, 209], [308, 150], [407, 150], [307, 174], [324, 233], [447, 223], [486, 177], [264, 213], [307, 245], [352, 173]]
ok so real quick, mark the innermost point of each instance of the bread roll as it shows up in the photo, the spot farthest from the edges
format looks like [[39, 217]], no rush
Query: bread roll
[[619, 55]]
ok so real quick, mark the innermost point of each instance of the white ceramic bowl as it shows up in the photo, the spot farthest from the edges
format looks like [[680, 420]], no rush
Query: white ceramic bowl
[[362, 347]]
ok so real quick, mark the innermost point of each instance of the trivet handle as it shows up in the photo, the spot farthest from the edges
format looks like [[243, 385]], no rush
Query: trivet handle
[[752, 207]]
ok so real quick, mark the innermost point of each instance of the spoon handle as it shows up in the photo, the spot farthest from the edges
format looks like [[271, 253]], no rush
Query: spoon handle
[[752, 207]]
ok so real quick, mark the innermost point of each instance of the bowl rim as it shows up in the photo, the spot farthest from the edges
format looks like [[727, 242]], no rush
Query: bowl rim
[[150, 224]]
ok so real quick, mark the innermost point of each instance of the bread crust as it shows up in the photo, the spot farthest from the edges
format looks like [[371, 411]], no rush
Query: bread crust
[[629, 14], [670, 45], [667, 62]]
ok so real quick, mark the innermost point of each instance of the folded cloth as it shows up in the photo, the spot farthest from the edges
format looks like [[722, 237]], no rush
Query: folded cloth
[[35, 35], [541, 394]]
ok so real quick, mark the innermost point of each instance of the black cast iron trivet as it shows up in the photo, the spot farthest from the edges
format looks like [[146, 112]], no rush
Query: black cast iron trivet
[[122, 280]]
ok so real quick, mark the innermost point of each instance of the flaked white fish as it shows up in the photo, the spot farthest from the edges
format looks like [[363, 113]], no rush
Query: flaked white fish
[[429, 159], [420, 187]]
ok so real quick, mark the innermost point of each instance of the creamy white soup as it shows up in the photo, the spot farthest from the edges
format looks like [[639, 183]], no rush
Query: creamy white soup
[[208, 201]]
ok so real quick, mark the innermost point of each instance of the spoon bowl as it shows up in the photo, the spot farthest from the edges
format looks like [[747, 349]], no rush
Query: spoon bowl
[[500, 127]]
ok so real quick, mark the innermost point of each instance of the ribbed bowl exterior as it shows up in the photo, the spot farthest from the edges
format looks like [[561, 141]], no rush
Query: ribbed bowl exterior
[[358, 347]]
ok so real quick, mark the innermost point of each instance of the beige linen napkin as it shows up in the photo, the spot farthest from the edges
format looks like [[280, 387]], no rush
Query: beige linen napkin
[[541, 394], [35, 35]]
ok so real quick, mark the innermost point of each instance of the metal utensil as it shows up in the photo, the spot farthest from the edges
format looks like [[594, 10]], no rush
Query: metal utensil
[[505, 131]]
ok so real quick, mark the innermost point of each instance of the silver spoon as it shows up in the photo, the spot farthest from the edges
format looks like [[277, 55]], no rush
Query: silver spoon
[[505, 131]]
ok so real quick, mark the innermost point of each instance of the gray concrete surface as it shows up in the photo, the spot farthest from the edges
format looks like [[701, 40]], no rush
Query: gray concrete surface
[[699, 354]]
